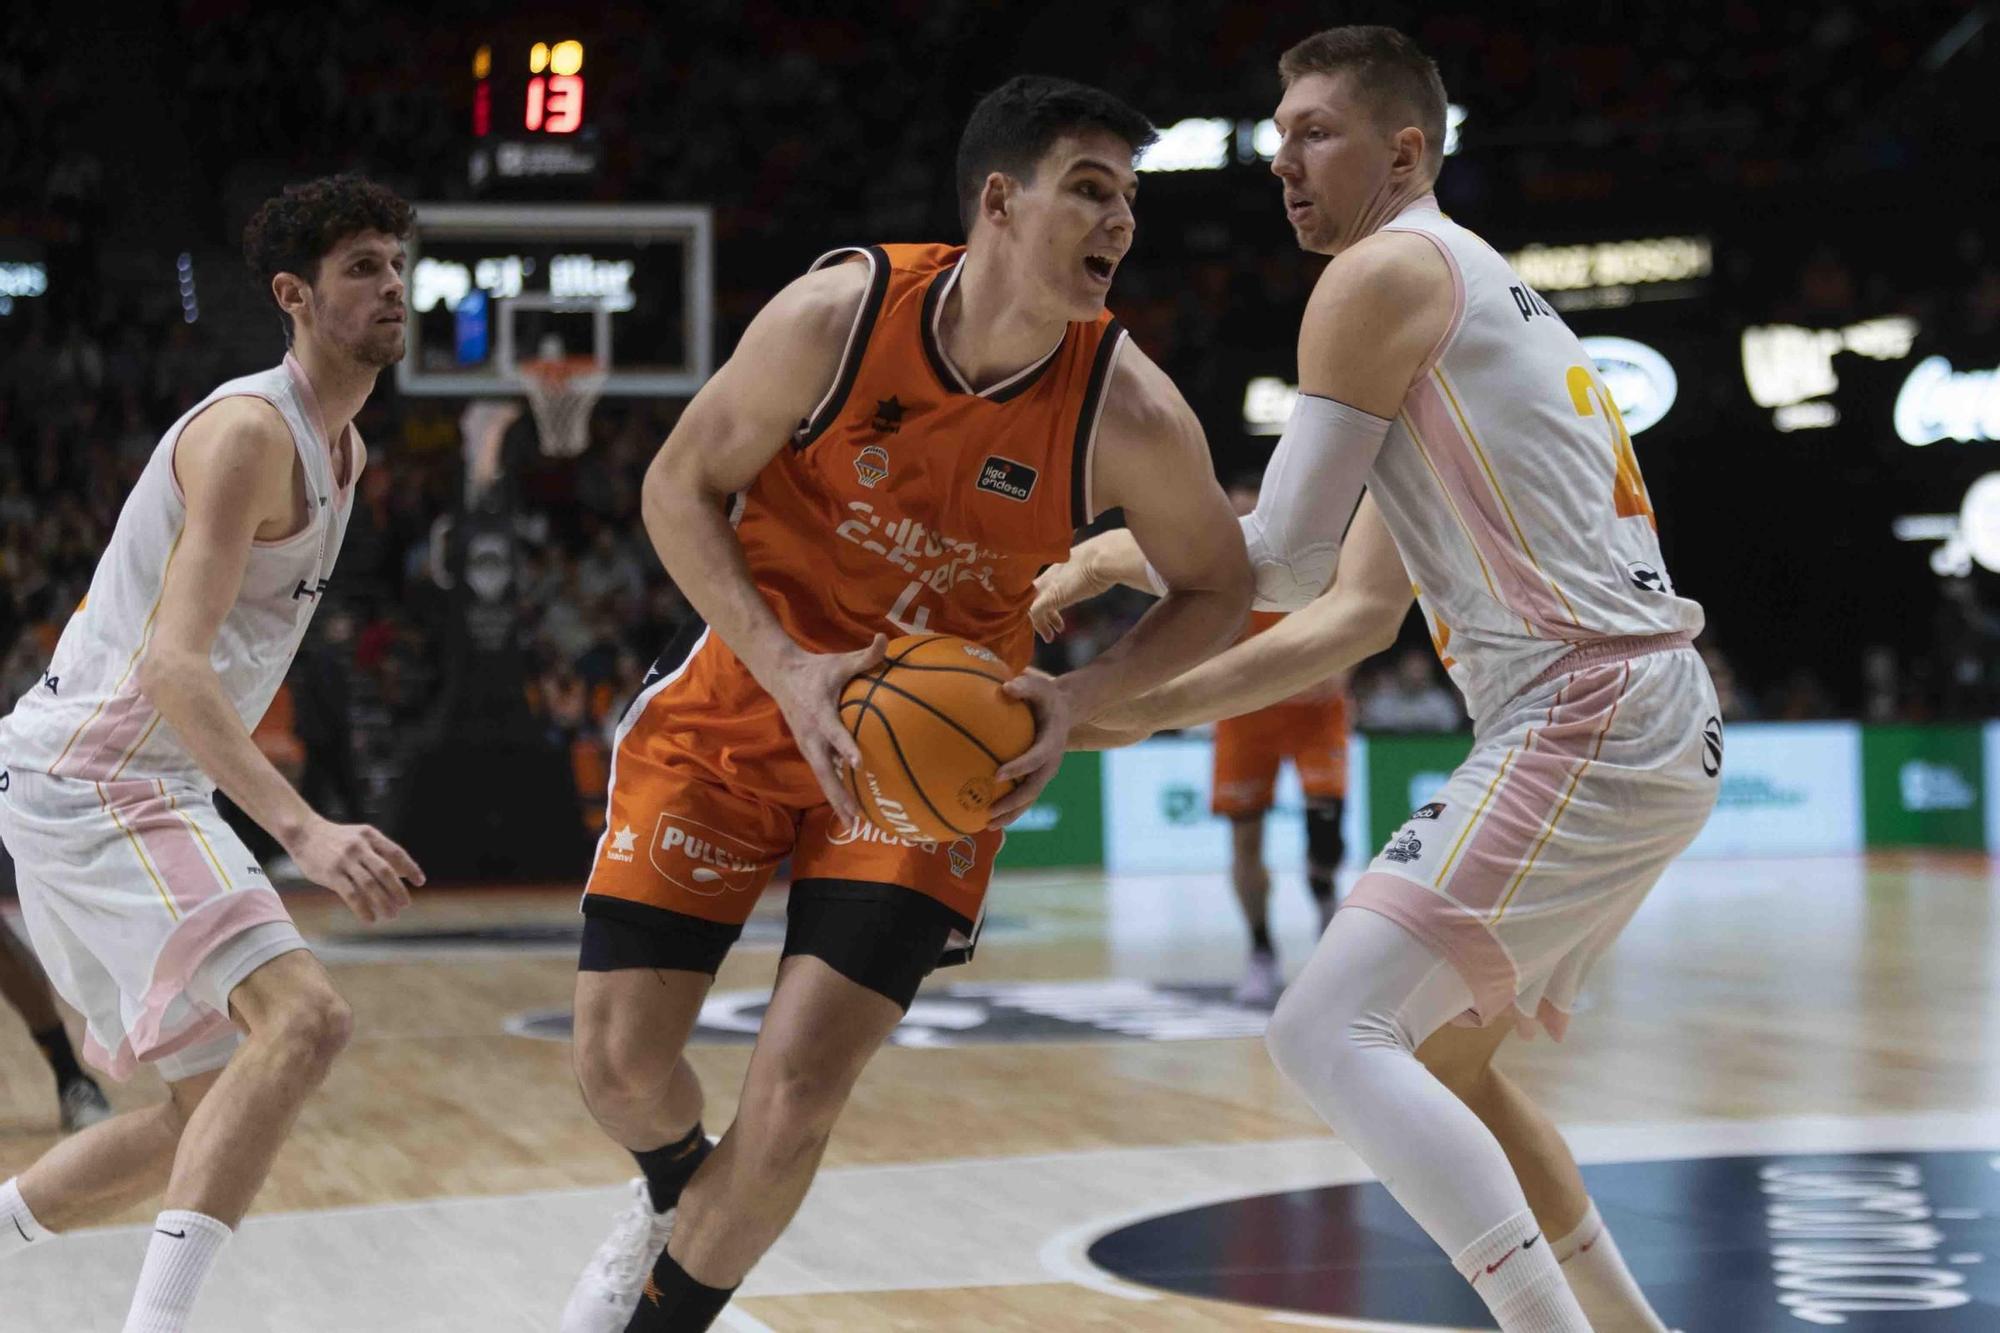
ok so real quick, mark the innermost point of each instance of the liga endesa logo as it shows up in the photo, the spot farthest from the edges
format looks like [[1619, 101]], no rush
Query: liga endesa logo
[[1871, 1242]]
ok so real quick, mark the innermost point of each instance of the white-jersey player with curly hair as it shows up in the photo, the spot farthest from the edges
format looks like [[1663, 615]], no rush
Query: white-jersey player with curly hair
[[151, 917]]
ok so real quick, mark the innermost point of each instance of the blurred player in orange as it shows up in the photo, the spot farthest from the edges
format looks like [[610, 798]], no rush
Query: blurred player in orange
[[902, 439], [1310, 730]]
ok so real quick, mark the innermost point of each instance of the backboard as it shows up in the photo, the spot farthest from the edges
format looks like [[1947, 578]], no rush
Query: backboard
[[631, 285]]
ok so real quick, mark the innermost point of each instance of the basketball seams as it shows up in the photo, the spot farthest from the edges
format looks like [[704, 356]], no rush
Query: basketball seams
[[915, 784], [881, 668], [948, 720], [863, 702], [956, 670]]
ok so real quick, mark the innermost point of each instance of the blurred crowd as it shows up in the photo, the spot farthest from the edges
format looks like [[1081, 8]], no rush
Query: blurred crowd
[[764, 112]]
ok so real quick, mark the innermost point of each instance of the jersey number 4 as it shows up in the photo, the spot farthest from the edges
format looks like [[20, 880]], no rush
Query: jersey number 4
[[906, 615], [1628, 488]]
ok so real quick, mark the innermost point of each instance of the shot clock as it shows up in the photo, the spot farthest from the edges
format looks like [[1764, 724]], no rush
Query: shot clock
[[539, 90]]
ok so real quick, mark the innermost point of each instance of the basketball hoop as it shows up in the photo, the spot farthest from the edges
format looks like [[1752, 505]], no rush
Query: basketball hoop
[[562, 390]]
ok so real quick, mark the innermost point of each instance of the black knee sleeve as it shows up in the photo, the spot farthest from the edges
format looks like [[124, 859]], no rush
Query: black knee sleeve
[[1324, 845]]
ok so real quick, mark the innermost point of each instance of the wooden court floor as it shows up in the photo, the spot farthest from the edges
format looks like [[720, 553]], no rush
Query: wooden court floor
[[1063, 1084]]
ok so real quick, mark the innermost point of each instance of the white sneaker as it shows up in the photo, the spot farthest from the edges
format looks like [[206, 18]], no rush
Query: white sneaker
[[1261, 982], [603, 1299], [83, 1105]]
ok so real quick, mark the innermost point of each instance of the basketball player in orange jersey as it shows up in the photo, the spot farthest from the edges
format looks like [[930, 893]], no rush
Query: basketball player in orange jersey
[[1504, 494], [151, 916], [903, 438], [1308, 728]]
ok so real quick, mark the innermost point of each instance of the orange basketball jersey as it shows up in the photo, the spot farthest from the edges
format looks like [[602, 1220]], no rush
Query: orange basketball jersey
[[908, 503]]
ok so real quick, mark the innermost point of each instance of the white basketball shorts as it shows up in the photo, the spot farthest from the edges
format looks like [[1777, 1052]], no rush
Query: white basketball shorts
[[1539, 849], [146, 910]]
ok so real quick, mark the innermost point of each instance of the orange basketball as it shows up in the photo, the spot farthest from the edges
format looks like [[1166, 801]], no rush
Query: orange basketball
[[933, 726]]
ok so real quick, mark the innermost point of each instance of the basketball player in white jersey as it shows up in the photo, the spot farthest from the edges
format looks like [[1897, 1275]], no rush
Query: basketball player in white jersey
[[1503, 493], [151, 917]]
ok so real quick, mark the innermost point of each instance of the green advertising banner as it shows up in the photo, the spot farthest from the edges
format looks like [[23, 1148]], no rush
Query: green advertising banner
[[1066, 826], [1403, 773], [1924, 786]]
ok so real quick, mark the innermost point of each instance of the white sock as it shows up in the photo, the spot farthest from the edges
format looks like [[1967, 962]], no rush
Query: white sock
[[1603, 1285], [184, 1247], [1513, 1269], [18, 1227]]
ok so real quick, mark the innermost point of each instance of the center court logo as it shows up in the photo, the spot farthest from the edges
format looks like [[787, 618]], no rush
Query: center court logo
[[702, 859], [1865, 1241]]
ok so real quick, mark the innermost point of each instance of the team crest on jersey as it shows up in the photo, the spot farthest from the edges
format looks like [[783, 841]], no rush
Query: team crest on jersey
[[872, 465], [1003, 476], [1405, 849], [963, 853]]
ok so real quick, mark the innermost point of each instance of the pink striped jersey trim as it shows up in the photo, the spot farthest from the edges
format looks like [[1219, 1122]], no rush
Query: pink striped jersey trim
[[1466, 942], [1522, 588], [198, 936], [1537, 788], [1599, 651], [1457, 299], [149, 812], [114, 736]]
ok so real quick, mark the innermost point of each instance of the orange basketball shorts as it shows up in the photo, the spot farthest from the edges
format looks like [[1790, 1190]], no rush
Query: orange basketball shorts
[[709, 794], [1249, 749]]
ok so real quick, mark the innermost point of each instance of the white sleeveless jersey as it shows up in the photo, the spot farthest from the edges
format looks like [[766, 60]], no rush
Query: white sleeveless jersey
[[1509, 484], [86, 718]]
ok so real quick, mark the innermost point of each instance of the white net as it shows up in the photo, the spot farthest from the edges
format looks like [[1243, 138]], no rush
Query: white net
[[562, 391]]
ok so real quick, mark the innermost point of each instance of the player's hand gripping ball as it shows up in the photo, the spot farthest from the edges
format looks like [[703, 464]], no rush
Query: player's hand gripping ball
[[933, 726]]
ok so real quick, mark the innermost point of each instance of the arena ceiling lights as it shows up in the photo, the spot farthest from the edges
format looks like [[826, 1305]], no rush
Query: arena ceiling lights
[[1210, 143]]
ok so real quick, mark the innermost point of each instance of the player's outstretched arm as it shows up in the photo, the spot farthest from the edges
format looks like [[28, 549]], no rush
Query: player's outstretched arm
[[743, 416], [1355, 618], [1151, 460], [234, 462]]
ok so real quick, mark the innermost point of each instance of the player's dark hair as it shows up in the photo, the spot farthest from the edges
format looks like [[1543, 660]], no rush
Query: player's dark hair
[[1399, 82], [297, 229], [1016, 123]]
